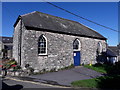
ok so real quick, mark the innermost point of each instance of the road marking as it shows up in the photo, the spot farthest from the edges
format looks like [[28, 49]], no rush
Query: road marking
[[36, 83]]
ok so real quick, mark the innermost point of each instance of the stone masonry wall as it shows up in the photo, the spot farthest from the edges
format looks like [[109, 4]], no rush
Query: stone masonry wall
[[59, 50], [16, 41]]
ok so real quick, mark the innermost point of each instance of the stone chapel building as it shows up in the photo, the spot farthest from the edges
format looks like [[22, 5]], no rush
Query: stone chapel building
[[49, 42]]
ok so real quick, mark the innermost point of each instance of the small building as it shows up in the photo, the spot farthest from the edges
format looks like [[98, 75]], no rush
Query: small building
[[47, 42], [6, 45], [118, 51], [113, 54]]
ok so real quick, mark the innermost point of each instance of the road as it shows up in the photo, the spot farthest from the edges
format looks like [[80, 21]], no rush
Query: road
[[21, 85], [60, 79], [65, 77], [8, 84]]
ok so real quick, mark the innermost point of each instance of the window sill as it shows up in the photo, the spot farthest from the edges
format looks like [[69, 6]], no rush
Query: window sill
[[76, 50], [42, 54]]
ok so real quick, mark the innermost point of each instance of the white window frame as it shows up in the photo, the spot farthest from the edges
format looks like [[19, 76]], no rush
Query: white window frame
[[79, 46], [99, 47], [46, 45]]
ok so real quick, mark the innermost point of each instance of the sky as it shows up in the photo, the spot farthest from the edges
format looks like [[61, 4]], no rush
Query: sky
[[105, 13]]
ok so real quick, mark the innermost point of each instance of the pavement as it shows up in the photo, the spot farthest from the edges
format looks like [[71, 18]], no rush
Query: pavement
[[10, 83], [65, 77], [62, 78]]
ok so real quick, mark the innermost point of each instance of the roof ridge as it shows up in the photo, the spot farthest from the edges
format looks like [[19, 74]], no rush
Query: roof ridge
[[27, 14]]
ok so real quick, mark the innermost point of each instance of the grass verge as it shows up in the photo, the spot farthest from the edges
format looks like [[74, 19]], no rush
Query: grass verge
[[98, 69], [102, 68], [91, 83], [111, 82]]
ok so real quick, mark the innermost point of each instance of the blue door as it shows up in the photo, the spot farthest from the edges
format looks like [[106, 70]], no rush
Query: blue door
[[76, 58]]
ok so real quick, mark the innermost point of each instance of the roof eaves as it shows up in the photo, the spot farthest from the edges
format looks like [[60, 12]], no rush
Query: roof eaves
[[93, 31], [41, 29]]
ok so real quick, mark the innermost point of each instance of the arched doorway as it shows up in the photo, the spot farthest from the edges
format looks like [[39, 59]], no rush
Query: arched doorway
[[76, 52]]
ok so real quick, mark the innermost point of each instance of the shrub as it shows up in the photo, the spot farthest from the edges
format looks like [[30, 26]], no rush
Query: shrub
[[9, 63], [16, 68]]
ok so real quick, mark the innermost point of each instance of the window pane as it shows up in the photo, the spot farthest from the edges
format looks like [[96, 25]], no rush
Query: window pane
[[76, 44], [41, 45], [75, 47]]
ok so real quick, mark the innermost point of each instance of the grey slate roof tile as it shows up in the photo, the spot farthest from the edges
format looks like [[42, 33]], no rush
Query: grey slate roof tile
[[46, 22], [114, 49], [6, 39]]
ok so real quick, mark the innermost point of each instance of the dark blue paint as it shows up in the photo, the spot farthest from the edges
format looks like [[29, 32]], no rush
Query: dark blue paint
[[76, 58]]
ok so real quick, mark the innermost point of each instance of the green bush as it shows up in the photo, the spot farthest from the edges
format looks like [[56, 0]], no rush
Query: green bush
[[16, 68], [8, 64]]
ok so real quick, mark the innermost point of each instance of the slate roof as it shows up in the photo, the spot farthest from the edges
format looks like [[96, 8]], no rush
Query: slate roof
[[113, 51], [6, 39], [45, 22]]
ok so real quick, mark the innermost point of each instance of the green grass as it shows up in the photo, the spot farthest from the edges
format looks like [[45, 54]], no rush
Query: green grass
[[99, 68], [111, 81], [101, 82], [91, 83]]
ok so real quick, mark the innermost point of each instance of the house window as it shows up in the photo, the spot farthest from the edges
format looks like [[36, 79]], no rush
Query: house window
[[42, 45], [99, 48], [76, 44]]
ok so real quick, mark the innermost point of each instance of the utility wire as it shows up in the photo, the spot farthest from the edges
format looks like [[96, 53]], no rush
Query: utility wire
[[81, 16]]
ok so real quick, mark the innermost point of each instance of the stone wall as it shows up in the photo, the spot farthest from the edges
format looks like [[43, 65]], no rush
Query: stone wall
[[18, 39], [59, 49]]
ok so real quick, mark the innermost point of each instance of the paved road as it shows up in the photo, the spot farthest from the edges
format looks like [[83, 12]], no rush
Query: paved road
[[8, 84], [65, 77], [52, 79]]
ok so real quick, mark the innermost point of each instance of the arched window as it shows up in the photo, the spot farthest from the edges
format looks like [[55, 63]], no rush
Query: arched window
[[99, 48], [76, 45], [42, 45]]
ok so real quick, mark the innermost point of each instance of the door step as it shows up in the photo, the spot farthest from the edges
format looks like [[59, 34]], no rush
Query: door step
[[78, 66]]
